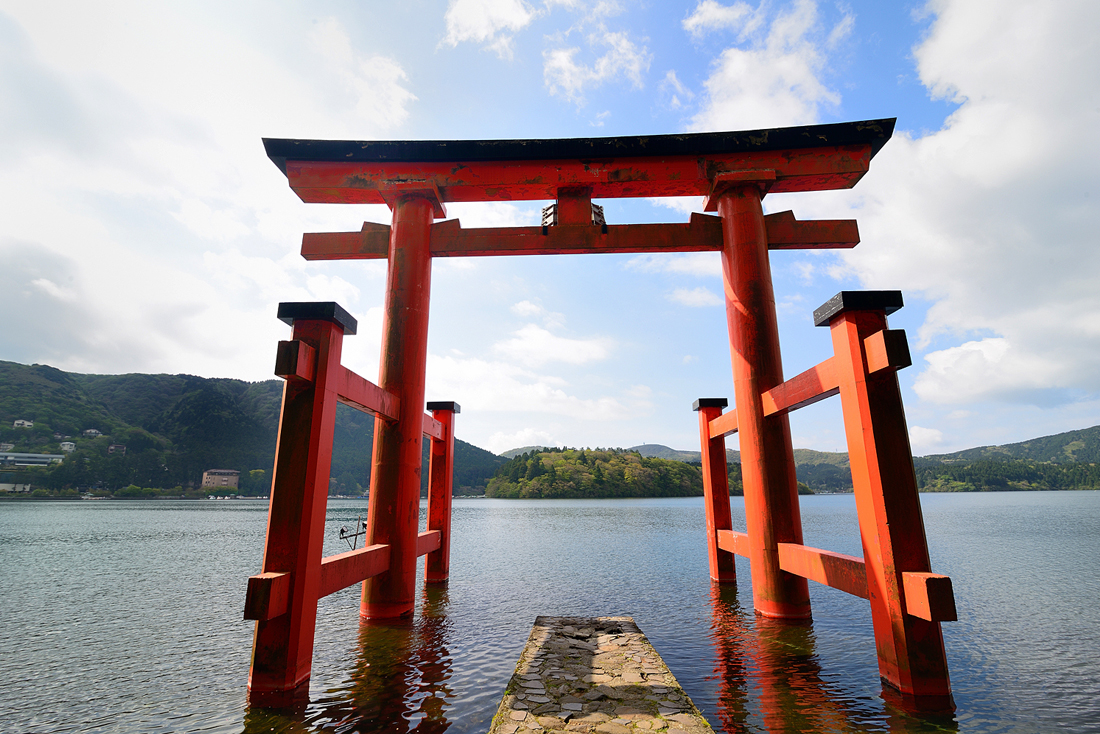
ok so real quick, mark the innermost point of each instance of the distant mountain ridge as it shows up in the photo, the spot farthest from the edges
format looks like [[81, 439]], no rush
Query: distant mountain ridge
[[175, 427], [1081, 446], [1061, 461]]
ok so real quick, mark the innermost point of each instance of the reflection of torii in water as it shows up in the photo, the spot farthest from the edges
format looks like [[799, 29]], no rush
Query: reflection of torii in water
[[734, 171]]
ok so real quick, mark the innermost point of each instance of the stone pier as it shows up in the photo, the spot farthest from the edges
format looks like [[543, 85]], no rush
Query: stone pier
[[594, 674]]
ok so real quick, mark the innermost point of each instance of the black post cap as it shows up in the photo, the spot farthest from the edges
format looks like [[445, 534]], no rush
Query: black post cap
[[888, 301], [318, 311], [709, 403], [445, 405]]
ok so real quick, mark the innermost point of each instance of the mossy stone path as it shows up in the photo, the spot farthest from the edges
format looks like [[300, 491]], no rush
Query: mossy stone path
[[594, 674]]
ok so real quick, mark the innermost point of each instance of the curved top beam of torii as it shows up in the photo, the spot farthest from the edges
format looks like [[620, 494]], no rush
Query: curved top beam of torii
[[573, 172]]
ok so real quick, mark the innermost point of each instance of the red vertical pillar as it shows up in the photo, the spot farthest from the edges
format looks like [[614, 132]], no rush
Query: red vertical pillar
[[910, 650], [282, 651], [767, 459], [394, 508], [441, 471], [716, 489]]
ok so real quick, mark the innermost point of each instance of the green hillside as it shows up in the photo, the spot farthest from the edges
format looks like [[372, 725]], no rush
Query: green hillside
[[565, 473], [1081, 446], [174, 428]]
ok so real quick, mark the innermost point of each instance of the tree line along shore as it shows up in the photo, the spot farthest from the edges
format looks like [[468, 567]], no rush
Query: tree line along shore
[[154, 436]]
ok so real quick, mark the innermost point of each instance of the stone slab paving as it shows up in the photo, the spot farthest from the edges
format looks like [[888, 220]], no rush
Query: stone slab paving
[[594, 674]]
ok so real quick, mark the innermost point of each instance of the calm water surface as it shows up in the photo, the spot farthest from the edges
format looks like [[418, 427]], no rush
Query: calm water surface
[[126, 617]]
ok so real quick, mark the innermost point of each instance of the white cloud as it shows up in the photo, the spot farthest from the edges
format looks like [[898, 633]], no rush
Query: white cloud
[[624, 60], [993, 217], [150, 185], [481, 385], [55, 291], [500, 441], [711, 16], [487, 22], [701, 264], [987, 369], [533, 345], [526, 308], [682, 204], [674, 92], [775, 82], [494, 214], [696, 297], [375, 83], [924, 440]]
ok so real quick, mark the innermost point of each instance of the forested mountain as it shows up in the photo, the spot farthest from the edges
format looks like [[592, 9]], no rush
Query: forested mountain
[[175, 427], [586, 473]]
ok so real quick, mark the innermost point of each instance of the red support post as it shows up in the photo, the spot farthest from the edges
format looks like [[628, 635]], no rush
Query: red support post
[[716, 489], [441, 490], [394, 509], [910, 649], [282, 651], [767, 458]]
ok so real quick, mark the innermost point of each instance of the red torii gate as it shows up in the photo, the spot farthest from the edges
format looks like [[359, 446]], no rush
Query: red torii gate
[[734, 171]]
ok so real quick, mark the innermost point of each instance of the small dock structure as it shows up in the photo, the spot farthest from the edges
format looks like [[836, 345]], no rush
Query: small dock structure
[[594, 674]]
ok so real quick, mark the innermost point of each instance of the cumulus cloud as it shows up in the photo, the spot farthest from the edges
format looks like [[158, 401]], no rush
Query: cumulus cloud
[[376, 83], [924, 440], [533, 345], [493, 385], [487, 22], [675, 94], [696, 297], [710, 16], [776, 79], [494, 214], [178, 209], [702, 264], [568, 77], [993, 218], [502, 441]]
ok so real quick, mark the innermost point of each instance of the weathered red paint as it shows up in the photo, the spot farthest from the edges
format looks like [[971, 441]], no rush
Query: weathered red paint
[[817, 383], [716, 493], [394, 508], [267, 596], [735, 542], [282, 654], [767, 458], [440, 490], [344, 569], [910, 649], [837, 570], [807, 169], [787, 233], [427, 542]]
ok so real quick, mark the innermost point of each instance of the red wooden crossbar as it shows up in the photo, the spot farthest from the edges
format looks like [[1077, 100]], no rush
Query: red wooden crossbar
[[702, 234], [266, 597], [885, 349], [928, 596]]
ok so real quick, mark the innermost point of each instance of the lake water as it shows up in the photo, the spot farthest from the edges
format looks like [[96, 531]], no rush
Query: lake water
[[126, 617]]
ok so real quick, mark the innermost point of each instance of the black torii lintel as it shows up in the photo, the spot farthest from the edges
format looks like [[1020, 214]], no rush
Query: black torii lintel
[[867, 132]]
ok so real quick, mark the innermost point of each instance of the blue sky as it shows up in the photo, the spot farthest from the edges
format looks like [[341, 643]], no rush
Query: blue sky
[[142, 229]]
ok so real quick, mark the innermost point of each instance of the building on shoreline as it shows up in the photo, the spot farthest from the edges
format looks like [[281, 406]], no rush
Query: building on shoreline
[[221, 478], [13, 458]]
